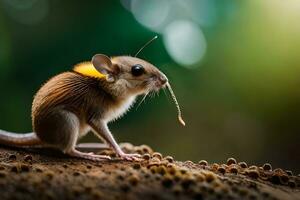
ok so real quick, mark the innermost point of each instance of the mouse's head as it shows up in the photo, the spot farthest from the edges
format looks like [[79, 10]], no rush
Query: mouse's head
[[131, 76], [135, 75]]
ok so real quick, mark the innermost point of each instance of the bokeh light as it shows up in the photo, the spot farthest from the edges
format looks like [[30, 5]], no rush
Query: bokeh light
[[151, 14], [185, 42], [179, 23]]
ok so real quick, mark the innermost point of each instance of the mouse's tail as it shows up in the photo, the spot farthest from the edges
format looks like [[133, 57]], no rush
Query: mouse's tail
[[16, 139]]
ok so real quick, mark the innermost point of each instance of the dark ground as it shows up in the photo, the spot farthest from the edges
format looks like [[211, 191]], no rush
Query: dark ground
[[47, 174]]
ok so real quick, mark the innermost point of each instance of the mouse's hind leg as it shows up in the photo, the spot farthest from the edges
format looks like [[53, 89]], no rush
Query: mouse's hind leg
[[61, 129]]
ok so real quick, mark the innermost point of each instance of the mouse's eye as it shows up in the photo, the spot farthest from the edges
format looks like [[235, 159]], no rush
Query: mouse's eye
[[137, 70]]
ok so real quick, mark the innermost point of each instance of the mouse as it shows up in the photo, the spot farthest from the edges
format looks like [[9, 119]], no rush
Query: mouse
[[94, 93]]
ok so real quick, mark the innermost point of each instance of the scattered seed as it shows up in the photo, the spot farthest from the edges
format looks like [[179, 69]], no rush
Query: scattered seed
[[89, 166], [169, 159], [253, 174], [146, 156], [267, 167], [136, 166], [243, 165], [157, 155], [221, 169], [203, 162], [210, 177], [133, 180], [231, 161], [161, 170], [28, 158], [233, 169], [12, 157], [76, 174]]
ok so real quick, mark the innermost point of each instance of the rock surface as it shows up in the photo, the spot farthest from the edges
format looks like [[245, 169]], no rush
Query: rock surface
[[47, 174]]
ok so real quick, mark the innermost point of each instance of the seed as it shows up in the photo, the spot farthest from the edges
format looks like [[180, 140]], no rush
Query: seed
[[188, 162], [89, 166], [161, 170], [290, 173], [171, 170], [154, 160], [169, 159], [12, 157], [28, 158], [253, 174], [215, 166], [153, 169], [203, 162], [199, 177], [210, 177], [133, 180], [243, 165], [267, 167], [76, 174], [183, 171], [233, 169], [278, 171], [38, 170], [136, 166], [146, 156], [49, 174], [146, 149], [253, 167], [157, 155], [221, 170], [231, 161]]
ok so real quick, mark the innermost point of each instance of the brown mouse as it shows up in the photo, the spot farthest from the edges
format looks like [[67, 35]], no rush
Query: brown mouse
[[72, 103]]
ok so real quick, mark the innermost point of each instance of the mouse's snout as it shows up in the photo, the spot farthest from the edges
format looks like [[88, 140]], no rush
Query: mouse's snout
[[163, 79]]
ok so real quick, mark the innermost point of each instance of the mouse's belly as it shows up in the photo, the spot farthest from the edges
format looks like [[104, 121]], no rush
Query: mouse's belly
[[118, 111]]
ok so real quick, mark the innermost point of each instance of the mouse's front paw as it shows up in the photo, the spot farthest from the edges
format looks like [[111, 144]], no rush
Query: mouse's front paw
[[130, 157]]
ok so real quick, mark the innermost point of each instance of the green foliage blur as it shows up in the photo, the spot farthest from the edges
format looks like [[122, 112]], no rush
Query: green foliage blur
[[241, 100]]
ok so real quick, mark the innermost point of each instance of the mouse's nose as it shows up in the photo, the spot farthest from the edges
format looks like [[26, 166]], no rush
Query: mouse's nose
[[163, 79]]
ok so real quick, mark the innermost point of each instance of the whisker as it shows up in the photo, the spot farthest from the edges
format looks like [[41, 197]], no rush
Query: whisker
[[143, 99]]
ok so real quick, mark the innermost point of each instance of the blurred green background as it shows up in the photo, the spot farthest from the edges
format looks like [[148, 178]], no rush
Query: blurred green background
[[234, 66]]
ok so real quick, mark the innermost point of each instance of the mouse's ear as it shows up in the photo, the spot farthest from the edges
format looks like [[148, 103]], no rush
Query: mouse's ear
[[103, 64]]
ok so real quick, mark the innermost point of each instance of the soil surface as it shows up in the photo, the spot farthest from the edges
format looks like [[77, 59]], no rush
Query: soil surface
[[38, 173]]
